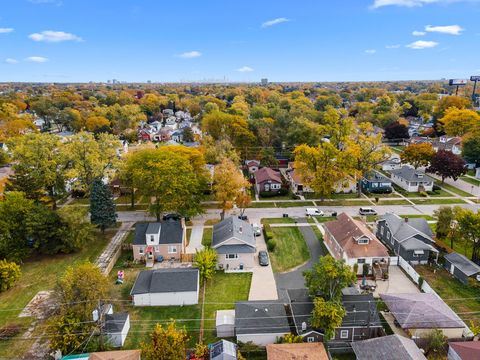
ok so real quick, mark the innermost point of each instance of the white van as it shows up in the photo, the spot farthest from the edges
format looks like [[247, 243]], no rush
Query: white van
[[367, 211], [313, 212]]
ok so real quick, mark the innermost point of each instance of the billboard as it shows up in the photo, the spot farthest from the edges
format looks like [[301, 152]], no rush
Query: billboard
[[457, 82], [475, 78]]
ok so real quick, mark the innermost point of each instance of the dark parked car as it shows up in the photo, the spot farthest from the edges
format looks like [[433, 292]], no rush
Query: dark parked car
[[263, 258]]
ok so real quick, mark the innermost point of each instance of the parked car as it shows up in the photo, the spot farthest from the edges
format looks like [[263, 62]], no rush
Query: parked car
[[367, 211], [263, 258], [257, 229], [314, 212]]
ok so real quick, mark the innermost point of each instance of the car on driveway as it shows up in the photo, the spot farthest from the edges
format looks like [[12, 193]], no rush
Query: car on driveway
[[257, 229], [263, 258], [314, 212]]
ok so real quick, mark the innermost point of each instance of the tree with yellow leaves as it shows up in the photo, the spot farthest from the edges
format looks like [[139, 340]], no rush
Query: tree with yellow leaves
[[166, 343], [458, 122]]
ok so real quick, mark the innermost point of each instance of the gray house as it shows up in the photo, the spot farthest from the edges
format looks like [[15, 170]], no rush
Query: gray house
[[223, 350], [411, 180], [374, 182], [410, 238], [234, 242], [460, 267], [392, 347]]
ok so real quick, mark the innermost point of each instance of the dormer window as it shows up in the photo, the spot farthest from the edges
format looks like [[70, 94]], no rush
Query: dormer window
[[363, 240]]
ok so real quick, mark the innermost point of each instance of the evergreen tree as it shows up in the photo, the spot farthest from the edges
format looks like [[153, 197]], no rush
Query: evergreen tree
[[102, 207]]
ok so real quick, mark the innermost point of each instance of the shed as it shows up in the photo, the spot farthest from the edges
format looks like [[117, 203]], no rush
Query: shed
[[225, 323], [392, 347], [461, 267], [223, 350], [116, 327]]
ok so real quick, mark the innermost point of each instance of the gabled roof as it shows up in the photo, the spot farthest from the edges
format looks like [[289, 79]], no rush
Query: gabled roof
[[303, 351], [346, 231], [233, 227], [467, 350], [403, 229], [116, 355], [410, 174], [421, 311], [115, 322], [223, 350], [171, 232], [392, 347], [376, 176], [461, 262], [266, 174], [261, 317], [166, 281]]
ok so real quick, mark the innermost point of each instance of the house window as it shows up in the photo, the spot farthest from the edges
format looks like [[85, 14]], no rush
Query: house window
[[140, 251], [172, 249], [381, 230], [418, 253], [343, 334], [363, 241], [231, 256], [310, 339], [361, 261]]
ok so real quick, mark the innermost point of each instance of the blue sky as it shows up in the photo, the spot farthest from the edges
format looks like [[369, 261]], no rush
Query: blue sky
[[282, 40]]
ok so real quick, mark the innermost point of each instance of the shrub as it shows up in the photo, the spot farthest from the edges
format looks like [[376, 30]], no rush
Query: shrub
[[420, 282], [9, 273], [355, 268], [423, 194], [271, 244], [267, 232], [385, 276], [436, 188], [9, 331], [366, 269]]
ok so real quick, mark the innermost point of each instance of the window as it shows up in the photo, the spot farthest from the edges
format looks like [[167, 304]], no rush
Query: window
[[172, 249], [343, 334], [381, 230], [417, 253], [361, 261], [231, 256], [363, 241], [310, 339], [140, 251], [157, 248]]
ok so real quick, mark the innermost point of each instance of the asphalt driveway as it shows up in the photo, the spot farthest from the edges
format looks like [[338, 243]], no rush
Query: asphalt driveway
[[294, 279]]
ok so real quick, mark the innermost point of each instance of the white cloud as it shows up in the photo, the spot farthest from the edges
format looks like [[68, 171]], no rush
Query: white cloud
[[396, 46], [418, 33], [11, 61], [422, 44], [6, 30], [245, 69], [54, 36], [190, 54], [448, 29], [37, 59], [275, 22], [370, 51], [413, 3]]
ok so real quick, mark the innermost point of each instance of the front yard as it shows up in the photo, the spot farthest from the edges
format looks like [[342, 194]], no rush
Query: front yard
[[462, 299], [290, 250]]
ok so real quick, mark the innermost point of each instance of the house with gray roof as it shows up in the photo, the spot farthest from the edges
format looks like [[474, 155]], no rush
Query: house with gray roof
[[391, 347], [420, 313], [234, 241], [411, 180], [159, 241], [165, 287], [410, 238], [461, 267], [116, 328], [261, 322], [374, 182]]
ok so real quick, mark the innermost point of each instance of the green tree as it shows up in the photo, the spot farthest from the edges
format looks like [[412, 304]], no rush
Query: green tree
[[468, 228], [228, 185], [102, 206], [291, 339], [39, 166], [188, 135], [327, 315], [206, 262], [471, 148], [166, 343], [445, 216], [9, 274], [76, 229], [418, 154], [437, 344], [328, 277]]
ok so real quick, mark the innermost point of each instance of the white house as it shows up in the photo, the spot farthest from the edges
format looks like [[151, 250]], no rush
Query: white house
[[411, 180], [166, 287]]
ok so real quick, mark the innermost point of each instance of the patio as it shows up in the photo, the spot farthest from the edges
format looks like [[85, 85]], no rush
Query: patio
[[398, 282]]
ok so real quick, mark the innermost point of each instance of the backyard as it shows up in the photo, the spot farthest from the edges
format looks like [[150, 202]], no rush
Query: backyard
[[290, 249], [461, 298]]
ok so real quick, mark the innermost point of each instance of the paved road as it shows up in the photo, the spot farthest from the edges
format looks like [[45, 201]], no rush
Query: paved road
[[300, 211], [294, 279]]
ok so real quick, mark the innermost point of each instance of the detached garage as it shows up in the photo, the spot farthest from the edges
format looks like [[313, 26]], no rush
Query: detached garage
[[166, 287], [460, 267]]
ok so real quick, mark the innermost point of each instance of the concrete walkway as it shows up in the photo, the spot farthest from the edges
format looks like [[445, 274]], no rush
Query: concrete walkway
[[196, 237], [106, 256], [263, 286], [294, 279]]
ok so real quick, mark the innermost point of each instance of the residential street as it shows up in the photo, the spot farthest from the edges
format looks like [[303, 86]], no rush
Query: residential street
[[294, 279]]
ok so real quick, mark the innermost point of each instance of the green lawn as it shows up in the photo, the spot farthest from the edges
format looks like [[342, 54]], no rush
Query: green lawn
[[281, 220], [393, 202], [346, 202], [439, 193], [280, 204], [212, 221], [461, 246], [290, 250], [207, 236], [128, 207], [433, 201], [320, 219], [449, 288], [40, 273], [221, 294], [470, 180], [453, 189]]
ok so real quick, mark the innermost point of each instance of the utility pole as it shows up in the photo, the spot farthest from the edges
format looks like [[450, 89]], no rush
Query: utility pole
[[100, 322], [474, 79]]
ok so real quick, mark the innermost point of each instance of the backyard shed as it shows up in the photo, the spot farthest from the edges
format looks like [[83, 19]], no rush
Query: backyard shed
[[460, 267], [225, 323]]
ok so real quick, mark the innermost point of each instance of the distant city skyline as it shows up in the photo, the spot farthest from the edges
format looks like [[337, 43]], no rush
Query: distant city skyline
[[284, 41]]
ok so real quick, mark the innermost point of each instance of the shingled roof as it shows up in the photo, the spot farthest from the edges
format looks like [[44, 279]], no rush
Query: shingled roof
[[266, 174], [233, 228], [303, 351], [392, 347], [166, 280], [461, 262], [261, 317], [347, 230]]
